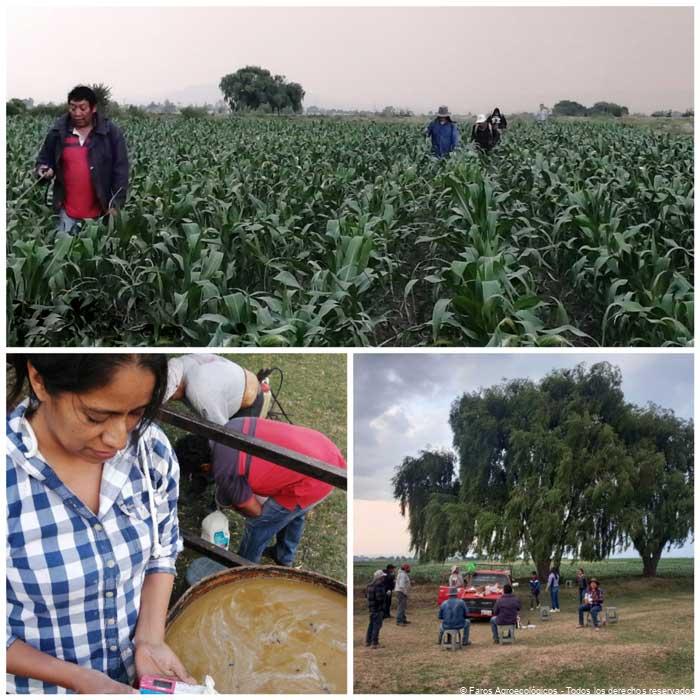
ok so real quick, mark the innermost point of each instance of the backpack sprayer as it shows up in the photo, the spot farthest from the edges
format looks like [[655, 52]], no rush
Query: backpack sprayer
[[263, 377]]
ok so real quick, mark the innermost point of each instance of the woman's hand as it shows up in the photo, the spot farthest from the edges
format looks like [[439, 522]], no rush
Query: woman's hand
[[90, 681], [158, 659]]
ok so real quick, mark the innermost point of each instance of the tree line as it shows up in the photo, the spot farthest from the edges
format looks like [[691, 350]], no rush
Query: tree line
[[560, 468]]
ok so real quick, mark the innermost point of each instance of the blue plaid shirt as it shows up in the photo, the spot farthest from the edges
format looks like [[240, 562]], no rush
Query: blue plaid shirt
[[74, 578]]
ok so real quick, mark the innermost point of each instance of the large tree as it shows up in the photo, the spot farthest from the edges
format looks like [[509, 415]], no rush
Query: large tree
[[254, 87], [659, 512], [542, 469], [416, 480]]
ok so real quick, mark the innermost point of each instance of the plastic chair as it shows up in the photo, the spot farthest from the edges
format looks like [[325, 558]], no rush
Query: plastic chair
[[506, 634], [545, 613], [611, 615], [451, 640]]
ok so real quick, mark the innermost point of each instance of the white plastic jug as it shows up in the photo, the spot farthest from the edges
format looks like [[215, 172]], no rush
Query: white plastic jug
[[215, 529]]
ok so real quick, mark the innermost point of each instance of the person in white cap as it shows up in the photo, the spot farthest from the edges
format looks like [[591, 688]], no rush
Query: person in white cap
[[483, 134], [215, 388], [443, 133], [456, 578]]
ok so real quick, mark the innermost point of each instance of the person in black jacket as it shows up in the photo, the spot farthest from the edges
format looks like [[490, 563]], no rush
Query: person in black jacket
[[389, 583], [86, 154], [498, 120], [376, 595], [484, 135]]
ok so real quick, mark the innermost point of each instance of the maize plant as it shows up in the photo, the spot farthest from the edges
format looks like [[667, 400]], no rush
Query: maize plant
[[300, 231]]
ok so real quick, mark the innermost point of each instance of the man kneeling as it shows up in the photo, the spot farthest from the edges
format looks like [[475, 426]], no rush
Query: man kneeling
[[454, 615], [240, 477]]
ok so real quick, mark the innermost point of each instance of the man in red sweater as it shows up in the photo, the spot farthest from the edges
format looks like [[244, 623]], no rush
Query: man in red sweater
[[86, 153], [240, 477]]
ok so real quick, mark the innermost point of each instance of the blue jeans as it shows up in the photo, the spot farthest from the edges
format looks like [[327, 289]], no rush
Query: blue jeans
[[67, 224], [275, 519], [464, 628], [554, 595], [593, 609]]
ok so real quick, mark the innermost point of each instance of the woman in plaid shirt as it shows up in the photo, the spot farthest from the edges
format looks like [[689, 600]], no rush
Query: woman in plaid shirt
[[92, 487]]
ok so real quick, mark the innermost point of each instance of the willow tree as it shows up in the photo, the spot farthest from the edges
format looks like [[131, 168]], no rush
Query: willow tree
[[542, 469], [659, 512], [415, 481]]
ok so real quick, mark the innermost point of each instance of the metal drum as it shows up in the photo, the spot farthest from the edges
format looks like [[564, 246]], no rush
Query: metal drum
[[263, 629]]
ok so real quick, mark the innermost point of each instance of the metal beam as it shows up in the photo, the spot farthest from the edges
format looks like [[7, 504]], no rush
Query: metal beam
[[212, 551], [335, 476]]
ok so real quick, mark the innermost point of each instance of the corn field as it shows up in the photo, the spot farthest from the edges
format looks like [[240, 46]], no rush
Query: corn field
[[345, 233]]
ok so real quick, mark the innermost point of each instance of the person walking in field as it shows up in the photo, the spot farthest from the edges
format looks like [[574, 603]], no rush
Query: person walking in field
[[389, 583], [484, 135], [443, 133], [505, 611], [403, 588], [86, 155], [498, 120], [593, 603], [582, 582], [456, 579], [376, 597], [553, 588], [454, 615], [535, 586], [242, 478]]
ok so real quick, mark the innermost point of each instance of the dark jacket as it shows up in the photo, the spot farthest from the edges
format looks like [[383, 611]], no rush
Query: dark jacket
[[453, 612], [376, 595], [499, 121], [486, 138], [107, 156], [582, 583], [507, 608], [389, 581], [444, 137], [534, 585]]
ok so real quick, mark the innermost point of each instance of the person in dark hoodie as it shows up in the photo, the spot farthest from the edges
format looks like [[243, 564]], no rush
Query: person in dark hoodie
[[389, 583], [376, 595], [505, 612], [498, 120], [484, 135], [86, 154], [443, 133]]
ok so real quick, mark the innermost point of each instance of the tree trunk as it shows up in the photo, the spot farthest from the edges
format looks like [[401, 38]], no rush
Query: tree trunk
[[651, 561], [542, 566]]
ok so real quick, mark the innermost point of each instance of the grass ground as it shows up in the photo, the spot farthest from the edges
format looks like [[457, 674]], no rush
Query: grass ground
[[650, 647], [314, 395]]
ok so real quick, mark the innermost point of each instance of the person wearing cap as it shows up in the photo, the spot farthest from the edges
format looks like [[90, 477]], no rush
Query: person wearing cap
[[505, 611], [389, 584], [443, 133], [592, 602], [215, 388], [376, 595], [403, 587], [456, 579], [454, 615], [483, 134]]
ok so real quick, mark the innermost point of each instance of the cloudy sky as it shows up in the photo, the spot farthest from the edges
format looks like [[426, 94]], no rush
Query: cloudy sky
[[471, 58], [402, 403]]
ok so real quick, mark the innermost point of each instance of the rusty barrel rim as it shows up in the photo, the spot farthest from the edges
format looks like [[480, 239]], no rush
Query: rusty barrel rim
[[241, 573]]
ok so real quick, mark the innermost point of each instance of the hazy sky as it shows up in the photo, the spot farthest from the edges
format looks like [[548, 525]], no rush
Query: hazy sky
[[471, 58], [402, 403]]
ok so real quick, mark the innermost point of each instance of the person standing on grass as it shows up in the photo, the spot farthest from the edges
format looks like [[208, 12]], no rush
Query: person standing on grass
[[92, 526], [376, 600], [505, 612], [443, 133], [403, 588], [456, 579], [240, 478], [592, 602], [553, 588], [389, 583], [86, 154], [454, 615], [535, 585], [582, 582]]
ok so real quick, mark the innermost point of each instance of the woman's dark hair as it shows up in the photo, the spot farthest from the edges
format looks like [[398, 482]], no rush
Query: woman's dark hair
[[495, 109], [77, 374], [192, 452], [82, 92]]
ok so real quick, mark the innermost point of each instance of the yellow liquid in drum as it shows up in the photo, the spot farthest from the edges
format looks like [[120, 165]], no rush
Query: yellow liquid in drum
[[265, 635]]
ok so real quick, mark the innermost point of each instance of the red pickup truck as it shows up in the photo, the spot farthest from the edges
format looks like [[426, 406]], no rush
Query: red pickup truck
[[481, 592]]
